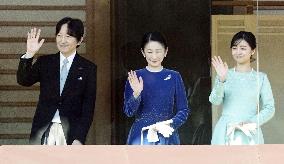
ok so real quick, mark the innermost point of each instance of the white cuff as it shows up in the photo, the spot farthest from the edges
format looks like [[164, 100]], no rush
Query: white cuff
[[26, 56]]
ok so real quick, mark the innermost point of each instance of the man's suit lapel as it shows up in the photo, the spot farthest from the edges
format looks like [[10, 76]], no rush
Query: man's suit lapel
[[71, 74]]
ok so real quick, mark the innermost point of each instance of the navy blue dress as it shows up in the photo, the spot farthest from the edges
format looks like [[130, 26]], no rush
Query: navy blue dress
[[163, 98]]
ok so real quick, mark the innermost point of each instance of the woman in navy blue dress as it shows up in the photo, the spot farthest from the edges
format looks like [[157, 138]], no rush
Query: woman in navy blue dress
[[155, 96]]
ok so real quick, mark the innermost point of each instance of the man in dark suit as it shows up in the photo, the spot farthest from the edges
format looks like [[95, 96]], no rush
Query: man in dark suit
[[66, 103]]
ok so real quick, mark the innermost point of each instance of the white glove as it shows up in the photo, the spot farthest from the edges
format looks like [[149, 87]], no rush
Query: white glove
[[164, 128], [152, 135], [249, 129]]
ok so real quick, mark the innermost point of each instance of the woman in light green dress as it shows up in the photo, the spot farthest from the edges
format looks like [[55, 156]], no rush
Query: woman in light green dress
[[239, 90]]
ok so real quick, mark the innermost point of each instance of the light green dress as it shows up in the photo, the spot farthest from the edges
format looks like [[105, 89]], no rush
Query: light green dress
[[240, 94]]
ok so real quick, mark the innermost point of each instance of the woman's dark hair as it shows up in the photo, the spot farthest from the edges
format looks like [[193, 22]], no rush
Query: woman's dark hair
[[75, 27], [248, 37], [154, 36], [244, 35]]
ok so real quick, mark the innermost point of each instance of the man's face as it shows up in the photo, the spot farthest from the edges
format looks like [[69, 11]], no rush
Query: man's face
[[65, 43]]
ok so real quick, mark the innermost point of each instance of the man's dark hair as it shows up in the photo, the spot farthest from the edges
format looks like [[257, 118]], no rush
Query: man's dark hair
[[75, 27]]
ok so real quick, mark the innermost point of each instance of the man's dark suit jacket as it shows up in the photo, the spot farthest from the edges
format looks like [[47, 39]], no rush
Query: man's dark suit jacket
[[76, 103]]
